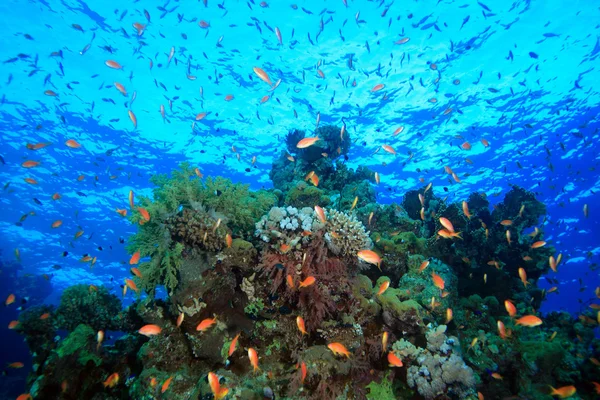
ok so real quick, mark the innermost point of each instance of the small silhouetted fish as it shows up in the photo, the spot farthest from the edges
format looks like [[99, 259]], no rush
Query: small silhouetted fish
[[247, 170], [2, 160], [81, 194], [100, 248], [533, 55], [37, 201], [121, 240], [218, 193], [65, 253]]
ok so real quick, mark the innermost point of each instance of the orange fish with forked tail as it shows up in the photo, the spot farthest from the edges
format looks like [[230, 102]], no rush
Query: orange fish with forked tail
[[307, 142], [338, 349], [529, 321], [370, 256], [438, 281], [150, 330]]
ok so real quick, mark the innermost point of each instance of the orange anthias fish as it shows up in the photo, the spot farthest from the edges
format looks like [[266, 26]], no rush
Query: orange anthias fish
[[150, 330], [424, 265], [300, 325], [529, 321], [523, 276], [112, 380], [338, 349], [72, 144], [377, 87], [384, 341], [122, 212], [371, 257], [56, 223], [253, 356], [501, 329], [25, 396], [233, 344], [113, 64], [510, 308], [320, 214], [449, 315], [383, 287], [131, 285], [388, 149], [290, 281], [45, 316], [538, 244], [307, 142], [30, 164], [228, 240], [16, 365], [135, 258], [13, 324], [133, 118], [506, 222], [205, 324], [37, 146], [215, 387], [166, 385], [262, 75], [303, 372], [393, 360], [307, 282], [446, 234], [466, 146], [438, 281], [144, 213], [447, 224], [9, 300], [563, 392]]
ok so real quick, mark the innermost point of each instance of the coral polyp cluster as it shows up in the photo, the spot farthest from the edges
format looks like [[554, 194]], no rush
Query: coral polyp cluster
[[306, 292]]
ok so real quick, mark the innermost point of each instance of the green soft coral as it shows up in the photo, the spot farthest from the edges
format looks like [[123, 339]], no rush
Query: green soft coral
[[81, 343], [382, 390]]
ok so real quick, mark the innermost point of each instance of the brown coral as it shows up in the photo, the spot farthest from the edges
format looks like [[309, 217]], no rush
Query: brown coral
[[198, 228]]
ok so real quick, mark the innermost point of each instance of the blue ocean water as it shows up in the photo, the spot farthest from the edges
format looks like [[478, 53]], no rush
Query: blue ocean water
[[521, 75]]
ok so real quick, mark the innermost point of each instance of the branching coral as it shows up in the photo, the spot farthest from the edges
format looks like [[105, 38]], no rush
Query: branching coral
[[345, 235], [287, 226]]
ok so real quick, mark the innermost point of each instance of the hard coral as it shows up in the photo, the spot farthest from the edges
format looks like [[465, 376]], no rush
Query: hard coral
[[438, 369], [286, 226], [345, 236]]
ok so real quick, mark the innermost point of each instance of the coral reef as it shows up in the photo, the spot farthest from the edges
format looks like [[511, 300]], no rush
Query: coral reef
[[261, 290]]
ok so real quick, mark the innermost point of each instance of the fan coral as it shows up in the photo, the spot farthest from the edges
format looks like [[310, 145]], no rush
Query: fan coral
[[346, 235], [288, 226], [81, 305], [439, 368]]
